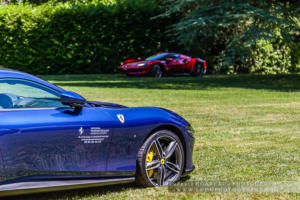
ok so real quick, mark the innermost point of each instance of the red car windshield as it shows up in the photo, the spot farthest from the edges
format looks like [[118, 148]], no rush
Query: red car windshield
[[160, 56]]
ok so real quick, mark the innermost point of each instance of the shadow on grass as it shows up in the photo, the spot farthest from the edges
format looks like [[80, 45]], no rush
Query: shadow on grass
[[285, 83]]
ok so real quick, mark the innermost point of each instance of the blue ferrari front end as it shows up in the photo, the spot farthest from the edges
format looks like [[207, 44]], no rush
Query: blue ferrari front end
[[52, 139]]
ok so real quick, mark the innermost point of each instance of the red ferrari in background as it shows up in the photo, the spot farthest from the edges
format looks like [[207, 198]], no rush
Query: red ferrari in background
[[164, 63]]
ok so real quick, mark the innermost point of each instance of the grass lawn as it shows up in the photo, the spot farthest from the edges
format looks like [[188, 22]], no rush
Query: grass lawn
[[247, 128]]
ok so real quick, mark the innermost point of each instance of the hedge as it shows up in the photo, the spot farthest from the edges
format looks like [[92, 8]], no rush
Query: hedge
[[79, 37]]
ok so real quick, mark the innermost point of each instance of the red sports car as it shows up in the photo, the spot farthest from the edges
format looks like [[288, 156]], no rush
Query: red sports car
[[164, 63]]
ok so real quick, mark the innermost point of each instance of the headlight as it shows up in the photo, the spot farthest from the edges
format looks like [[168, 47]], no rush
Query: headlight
[[142, 64], [190, 130]]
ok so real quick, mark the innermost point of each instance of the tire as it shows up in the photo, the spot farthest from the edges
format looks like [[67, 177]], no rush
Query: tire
[[198, 70], [160, 160], [157, 71]]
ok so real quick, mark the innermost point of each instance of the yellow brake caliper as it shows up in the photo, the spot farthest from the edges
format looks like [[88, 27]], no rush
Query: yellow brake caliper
[[149, 159]]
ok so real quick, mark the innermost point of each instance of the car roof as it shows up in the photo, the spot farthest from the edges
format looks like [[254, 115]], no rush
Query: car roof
[[9, 73], [173, 53]]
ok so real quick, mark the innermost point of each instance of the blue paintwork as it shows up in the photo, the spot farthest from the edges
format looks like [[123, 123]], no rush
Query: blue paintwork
[[71, 98], [50, 142]]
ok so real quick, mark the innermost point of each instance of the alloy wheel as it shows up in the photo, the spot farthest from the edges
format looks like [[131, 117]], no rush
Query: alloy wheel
[[164, 161]]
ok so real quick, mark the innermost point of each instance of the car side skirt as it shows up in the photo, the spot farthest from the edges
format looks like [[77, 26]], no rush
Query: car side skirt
[[30, 187]]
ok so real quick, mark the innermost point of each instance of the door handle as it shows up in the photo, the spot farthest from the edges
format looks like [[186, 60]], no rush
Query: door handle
[[8, 131]]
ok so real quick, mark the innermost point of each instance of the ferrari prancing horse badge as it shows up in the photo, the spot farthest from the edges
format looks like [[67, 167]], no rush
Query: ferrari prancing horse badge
[[121, 118]]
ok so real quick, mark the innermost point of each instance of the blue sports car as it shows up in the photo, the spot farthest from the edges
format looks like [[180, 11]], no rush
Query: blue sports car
[[52, 139]]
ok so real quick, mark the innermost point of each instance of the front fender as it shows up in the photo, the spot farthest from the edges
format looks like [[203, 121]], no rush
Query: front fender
[[135, 117], [129, 135], [161, 63]]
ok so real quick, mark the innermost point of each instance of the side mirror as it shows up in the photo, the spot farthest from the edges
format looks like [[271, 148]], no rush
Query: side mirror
[[170, 60], [72, 99], [139, 58]]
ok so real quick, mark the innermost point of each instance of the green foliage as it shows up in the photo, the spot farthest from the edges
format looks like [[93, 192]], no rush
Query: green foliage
[[269, 58], [38, 2], [295, 46], [226, 32], [79, 37], [296, 57], [94, 36]]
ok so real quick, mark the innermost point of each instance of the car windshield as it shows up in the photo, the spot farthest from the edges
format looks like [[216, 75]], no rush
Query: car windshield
[[160, 56]]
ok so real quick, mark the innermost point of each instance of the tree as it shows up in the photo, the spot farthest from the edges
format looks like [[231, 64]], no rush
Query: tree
[[227, 31]]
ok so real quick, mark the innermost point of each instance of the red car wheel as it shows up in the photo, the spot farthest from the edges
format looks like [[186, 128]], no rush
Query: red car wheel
[[198, 70], [157, 71]]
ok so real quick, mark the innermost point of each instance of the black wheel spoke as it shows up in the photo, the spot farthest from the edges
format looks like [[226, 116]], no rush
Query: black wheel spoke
[[154, 162], [170, 149], [168, 175], [152, 165], [173, 167], [161, 175], [159, 148]]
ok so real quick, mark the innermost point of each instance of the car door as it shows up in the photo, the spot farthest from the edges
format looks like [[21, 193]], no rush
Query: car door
[[175, 65], [183, 62], [41, 136]]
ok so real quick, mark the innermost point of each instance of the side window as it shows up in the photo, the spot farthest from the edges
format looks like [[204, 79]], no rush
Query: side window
[[18, 94], [174, 56], [168, 56]]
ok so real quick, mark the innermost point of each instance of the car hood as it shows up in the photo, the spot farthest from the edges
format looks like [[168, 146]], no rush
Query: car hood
[[105, 104], [141, 114], [135, 64]]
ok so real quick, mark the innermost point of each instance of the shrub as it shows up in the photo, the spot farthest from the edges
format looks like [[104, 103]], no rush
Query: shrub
[[79, 37], [270, 58], [296, 57]]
